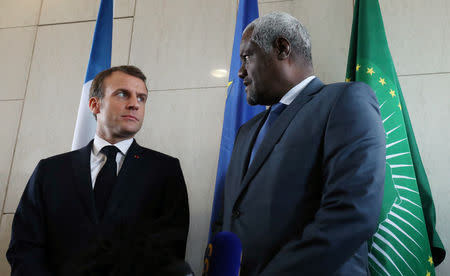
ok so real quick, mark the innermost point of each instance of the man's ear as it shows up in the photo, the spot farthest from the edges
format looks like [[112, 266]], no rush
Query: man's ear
[[283, 48], [94, 105]]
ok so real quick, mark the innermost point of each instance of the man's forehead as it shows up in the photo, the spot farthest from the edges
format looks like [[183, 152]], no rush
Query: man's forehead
[[123, 81], [245, 40], [248, 45], [119, 77], [247, 33]]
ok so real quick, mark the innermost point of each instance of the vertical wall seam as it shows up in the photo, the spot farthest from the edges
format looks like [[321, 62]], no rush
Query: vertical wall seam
[[132, 32], [21, 112]]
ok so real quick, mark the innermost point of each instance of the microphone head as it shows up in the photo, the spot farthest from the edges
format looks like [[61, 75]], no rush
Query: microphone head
[[223, 255]]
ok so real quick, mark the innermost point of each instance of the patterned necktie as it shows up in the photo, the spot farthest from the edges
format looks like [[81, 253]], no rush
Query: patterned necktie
[[106, 179], [275, 111]]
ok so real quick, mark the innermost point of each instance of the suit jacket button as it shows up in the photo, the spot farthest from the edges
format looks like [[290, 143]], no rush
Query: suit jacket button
[[236, 214]]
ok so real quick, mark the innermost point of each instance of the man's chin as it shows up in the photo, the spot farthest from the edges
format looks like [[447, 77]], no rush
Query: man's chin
[[251, 100], [129, 132]]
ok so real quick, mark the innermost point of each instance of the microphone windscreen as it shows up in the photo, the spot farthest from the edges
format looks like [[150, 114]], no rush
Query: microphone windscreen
[[225, 252]]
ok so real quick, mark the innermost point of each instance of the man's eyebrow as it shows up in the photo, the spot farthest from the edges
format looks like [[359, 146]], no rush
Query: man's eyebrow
[[127, 90], [142, 93]]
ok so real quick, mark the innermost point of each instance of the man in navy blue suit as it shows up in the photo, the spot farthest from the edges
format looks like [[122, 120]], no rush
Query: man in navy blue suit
[[110, 208], [304, 186]]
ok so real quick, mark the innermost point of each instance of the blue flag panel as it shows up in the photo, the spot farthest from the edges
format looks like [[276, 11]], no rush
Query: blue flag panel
[[237, 110]]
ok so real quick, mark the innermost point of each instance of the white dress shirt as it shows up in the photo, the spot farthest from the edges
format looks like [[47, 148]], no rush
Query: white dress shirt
[[289, 97], [98, 158]]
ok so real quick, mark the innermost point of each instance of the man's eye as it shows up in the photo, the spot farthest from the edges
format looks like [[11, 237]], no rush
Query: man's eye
[[122, 94], [142, 99]]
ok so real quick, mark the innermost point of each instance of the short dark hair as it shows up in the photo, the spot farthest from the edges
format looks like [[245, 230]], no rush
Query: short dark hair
[[96, 89]]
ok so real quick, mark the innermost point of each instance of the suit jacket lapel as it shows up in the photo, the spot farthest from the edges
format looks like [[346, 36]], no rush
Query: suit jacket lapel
[[127, 175], [240, 161], [278, 128], [248, 145], [82, 175]]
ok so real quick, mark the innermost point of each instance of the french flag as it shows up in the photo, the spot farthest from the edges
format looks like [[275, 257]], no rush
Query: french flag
[[99, 60]]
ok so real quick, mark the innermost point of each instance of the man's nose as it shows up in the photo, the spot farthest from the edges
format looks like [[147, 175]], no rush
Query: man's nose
[[133, 103], [242, 72]]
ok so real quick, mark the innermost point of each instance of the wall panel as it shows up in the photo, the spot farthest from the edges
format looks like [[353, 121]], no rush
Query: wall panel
[[9, 121], [17, 13], [60, 11], [5, 235], [180, 42], [16, 47], [418, 35]]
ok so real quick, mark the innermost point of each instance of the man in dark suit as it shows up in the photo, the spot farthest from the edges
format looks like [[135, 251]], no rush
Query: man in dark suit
[[110, 208], [304, 186]]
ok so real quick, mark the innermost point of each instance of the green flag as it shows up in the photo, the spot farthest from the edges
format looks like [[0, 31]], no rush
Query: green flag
[[406, 242]]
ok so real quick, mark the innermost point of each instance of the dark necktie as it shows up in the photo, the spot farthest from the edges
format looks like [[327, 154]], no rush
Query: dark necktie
[[275, 111], [106, 179]]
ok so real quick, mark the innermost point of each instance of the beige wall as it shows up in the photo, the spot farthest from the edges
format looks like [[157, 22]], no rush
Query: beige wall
[[44, 49]]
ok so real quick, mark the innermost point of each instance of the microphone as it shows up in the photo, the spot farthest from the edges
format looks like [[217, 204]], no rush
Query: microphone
[[223, 255]]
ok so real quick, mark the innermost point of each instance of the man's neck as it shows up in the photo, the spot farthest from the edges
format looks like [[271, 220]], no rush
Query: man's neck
[[111, 139]]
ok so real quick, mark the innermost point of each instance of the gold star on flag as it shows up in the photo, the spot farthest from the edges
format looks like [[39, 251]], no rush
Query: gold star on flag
[[357, 67], [392, 92], [347, 79], [370, 71], [229, 83], [430, 260], [400, 106], [382, 81], [428, 273]]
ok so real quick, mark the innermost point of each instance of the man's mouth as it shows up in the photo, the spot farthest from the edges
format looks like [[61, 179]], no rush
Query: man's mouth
[[130, 117]]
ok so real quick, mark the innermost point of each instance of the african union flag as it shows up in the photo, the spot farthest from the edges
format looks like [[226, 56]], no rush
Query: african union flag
[[405, 242]]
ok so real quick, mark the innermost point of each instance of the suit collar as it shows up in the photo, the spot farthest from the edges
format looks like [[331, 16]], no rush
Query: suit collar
[[99, 143], [293, 93], [276, 131], [248, 143]]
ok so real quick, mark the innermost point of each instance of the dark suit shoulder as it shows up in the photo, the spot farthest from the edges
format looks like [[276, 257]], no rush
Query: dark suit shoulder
[[332, 93], [348, 86], [156, 154], [61, 158]]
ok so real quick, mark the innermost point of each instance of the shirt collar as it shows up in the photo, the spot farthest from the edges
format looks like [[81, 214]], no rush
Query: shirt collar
[[99, 143], [289, 97]]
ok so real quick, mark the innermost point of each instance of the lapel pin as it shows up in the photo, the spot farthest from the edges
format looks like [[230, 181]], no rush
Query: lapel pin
[[136, 156]]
